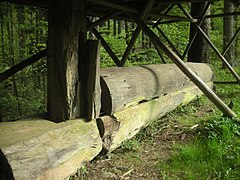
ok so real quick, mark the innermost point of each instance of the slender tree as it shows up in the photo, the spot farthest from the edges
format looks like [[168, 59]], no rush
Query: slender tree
[[228, 31], [199, 51], [127, 32]]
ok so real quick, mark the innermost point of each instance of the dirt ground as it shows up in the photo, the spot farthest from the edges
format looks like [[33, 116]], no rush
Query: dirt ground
[[140, 159], [136, 163]]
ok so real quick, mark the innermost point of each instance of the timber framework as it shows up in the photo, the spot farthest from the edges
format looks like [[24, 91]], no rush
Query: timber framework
[[79, 90]]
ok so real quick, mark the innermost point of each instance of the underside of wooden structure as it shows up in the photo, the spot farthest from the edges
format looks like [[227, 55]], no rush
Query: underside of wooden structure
[[114, 100]]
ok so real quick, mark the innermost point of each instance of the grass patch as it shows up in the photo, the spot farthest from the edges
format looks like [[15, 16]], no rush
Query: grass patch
[[215, 153]]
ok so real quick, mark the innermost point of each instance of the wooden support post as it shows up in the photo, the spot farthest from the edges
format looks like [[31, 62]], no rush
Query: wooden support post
[[187, 71], [83, 63], [219, 54], [93, 84], [62, 64]]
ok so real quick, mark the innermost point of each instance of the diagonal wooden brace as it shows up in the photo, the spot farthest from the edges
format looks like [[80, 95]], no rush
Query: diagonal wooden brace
[[186, 70]]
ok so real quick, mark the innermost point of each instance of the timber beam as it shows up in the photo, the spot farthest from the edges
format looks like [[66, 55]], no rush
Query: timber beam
[[20, 66]]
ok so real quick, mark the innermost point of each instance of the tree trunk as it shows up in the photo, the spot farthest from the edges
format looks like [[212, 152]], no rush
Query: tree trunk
[[114, 27], [199, 51], [12, 56], [228, 31], [119, 27], [143, 40], [127, 32], [2, 32], [108, 27], [155, 81]]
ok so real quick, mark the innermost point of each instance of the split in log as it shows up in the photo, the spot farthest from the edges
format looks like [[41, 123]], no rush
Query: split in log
[[128, 122], [124, 87]]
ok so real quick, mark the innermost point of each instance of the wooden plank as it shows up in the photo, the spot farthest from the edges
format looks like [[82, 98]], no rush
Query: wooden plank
[[130, 45], [124, 87], [93, 83], [187, 71]]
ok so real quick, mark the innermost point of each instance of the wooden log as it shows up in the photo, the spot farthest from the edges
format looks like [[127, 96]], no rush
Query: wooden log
[[131, 120], [123, 87], [107, 126], [40, 149]]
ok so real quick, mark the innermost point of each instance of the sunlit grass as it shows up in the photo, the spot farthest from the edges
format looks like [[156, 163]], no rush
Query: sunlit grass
[[215, 151]]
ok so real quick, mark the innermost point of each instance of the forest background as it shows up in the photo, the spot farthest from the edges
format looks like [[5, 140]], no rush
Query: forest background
[[24, 31]]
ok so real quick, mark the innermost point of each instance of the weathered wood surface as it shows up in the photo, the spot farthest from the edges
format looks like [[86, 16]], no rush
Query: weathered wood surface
[[129, 121], [123, 87], [40, 149], [63, 60], [94, 89]]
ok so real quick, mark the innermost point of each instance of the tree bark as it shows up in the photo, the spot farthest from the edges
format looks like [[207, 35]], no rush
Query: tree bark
[[199, 51], [155, 81], [114, 27], [127, 32], [119, 27], [228, 31]]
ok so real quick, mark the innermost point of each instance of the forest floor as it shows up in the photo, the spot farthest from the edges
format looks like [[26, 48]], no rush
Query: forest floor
[[141, 157]]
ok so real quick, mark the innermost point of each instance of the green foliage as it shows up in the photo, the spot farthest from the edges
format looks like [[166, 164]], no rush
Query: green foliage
[[23, 32], [131, 144], [213, 154]]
